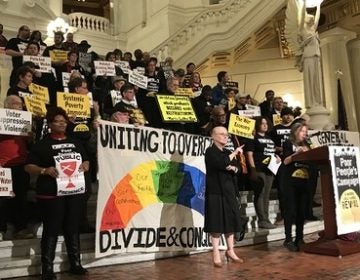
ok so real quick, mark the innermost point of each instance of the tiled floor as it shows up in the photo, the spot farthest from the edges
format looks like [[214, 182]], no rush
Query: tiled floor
[[265, 261]]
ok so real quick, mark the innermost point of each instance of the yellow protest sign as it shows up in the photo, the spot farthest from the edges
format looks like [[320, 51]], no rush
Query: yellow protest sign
[[58, 55], [185, 91], [231, 103], [276, 119], [41, 93], [176, 108], [35, 106], [241, 126], [77, 105]]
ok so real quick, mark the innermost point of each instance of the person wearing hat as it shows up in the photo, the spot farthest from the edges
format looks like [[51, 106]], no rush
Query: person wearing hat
[[84, 46], [120, 115], [114, 96], [279, 134]]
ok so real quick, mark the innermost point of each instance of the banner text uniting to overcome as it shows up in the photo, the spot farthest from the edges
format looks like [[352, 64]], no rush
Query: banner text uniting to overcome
[[148, 140]]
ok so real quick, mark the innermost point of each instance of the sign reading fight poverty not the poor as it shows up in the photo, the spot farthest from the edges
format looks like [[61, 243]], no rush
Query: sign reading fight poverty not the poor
[[176, 108], [15, 122], [74, 104], [345, 163], [241, 126]]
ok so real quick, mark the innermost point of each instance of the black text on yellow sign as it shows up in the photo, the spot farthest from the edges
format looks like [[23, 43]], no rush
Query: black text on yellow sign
[[74, 104], [241, 126], [176, 108]]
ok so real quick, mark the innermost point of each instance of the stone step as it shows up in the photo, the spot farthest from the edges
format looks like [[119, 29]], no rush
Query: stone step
[[30, 263]]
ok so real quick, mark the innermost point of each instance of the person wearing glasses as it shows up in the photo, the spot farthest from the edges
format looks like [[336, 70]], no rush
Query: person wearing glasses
[[222, 214]]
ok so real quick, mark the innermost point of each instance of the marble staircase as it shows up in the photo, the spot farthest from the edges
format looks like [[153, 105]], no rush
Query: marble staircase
[[22, 257]]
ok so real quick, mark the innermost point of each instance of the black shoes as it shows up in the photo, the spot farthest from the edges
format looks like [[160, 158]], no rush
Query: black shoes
[[291, 246], [78, 270]]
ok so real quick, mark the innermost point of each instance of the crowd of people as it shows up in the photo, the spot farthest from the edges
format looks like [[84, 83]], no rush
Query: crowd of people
[[115, 99]]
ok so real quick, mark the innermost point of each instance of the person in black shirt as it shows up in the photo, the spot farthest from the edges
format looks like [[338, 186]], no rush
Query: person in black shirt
[[59, 212], [24, 79], [15, 48], [266, 106], [295, 185], [259, 153], [203, 107]]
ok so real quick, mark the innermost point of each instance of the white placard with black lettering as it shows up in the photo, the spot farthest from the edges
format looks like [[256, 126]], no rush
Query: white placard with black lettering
[[115, 96], [5, 182], [138, 80], [15, 122], [140, 70], [124, 65], [69, 181], [250, 112], [104, 68], [345, 163], [42, 61]]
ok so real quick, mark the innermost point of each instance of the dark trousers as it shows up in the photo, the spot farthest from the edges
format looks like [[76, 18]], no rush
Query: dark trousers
[[16, 207], [61, 214], [295, 194]]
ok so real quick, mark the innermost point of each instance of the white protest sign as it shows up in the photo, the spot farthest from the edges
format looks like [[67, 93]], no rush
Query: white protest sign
[[115, 96], [85, 61], [124, 65], [104, 68], [138, 80], [42, 61], [345, 162], [5, 182], [140, 70], [15, 122], [65, 78], [69, 181]]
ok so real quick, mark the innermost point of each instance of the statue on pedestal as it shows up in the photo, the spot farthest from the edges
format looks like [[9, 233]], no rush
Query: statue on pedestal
[[305, 43]]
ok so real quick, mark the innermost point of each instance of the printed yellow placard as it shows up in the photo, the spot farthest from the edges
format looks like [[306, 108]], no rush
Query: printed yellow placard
[[185, 91], [35, 106], [58, 55], [241, 126], [276, 119], [41, 93], [176, 108], [74, 104]]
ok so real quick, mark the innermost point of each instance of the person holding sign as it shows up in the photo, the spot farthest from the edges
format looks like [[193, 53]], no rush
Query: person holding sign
[[24, 79], [60, 207], [114, 96], [222, 214], [13, 155], [259, 152], [295, 186]]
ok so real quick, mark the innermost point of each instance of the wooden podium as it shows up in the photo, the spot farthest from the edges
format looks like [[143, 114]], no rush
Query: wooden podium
[[328, 244]]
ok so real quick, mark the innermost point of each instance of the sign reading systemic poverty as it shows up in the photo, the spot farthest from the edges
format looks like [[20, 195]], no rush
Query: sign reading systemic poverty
[[153, 198], [176, 108], [241, 126], [74, 104], [345, 162], [15, 122], [5, 182]]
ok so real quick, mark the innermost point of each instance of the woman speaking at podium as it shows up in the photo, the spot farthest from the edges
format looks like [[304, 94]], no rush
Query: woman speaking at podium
[[295, 185]]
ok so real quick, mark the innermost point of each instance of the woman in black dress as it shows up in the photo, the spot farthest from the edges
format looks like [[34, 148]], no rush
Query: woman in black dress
[[295, 186], [222, 215]]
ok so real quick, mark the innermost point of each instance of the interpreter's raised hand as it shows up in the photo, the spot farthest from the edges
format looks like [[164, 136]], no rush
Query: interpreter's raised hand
[[239, 150], [51, 171]]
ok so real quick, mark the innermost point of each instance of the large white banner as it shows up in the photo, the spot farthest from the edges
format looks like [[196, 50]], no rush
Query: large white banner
[[151, 190], [345, 163]]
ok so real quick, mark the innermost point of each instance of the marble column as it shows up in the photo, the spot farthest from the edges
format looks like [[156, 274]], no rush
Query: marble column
[[335, 60], [354, 57]]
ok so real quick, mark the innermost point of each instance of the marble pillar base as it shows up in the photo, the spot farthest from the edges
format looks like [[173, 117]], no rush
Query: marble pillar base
[[319, 118]]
